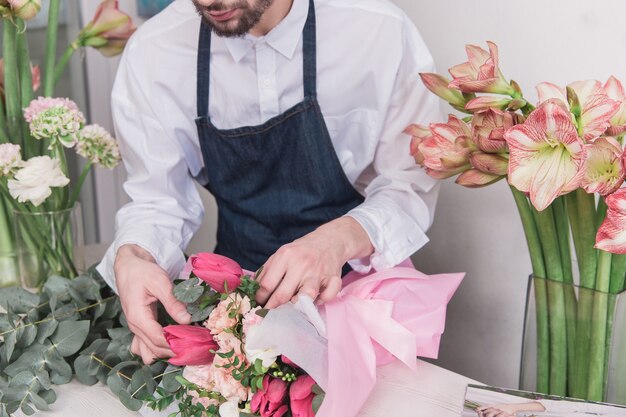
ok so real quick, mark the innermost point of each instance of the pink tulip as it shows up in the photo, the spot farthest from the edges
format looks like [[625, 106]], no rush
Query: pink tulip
[[614, 89], [301, 397], [480, 74], [271, 400], [474, 178], [25, 9], [440, 86], [488, 129], [216, 270], [546, 154], [611, 235], [596, 111], [446, 153], [109, 30], [603, 168], [191, 345], [288, 362]]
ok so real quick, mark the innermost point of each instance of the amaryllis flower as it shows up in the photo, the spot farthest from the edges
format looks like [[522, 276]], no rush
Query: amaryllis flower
[[596, 108], [57, 119], [446, 153], [488, 129], [546, 154], [192, 345], [439, 85], [10, 158], [271, 400], [97, 145], [473, 178], [33, 181], [603, 168], [25, 9], [480, 74], [418, 134], [216, 270], [615, 90], [109, 30], [611, 236], [301, 397]]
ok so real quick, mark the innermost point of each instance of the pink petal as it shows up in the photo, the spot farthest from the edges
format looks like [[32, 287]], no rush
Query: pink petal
[[301, 388], [474, 178], [611, 235], [547, 91]]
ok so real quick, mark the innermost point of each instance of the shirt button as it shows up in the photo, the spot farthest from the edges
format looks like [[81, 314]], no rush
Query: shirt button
[[267, 82]]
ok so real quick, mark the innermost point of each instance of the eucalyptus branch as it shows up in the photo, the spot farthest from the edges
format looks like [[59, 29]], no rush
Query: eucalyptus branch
[[106, 365]]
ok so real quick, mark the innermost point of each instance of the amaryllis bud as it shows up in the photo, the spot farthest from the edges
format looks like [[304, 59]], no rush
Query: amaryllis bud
[[481, 73], [109, 30], [418, 134], [490, 163], [487, 102], [25, 9], [488, 129], [439, 86], [474, 178]]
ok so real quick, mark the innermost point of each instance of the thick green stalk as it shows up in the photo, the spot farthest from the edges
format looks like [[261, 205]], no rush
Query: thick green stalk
[[597, 352], [587, 223], [618, 273], [11, 83], [60, 66], [51, 46], [547, 230], [60, 195], [4, 137], [6, 228], [79, 186], [26, 90], [541, 297]]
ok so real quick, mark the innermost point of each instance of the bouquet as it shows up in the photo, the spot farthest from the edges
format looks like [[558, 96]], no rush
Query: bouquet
[[35, 134], [241, 359], [564, 161]]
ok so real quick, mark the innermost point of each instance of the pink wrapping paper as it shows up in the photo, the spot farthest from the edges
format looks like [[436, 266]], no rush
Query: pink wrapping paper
[[397, 313]]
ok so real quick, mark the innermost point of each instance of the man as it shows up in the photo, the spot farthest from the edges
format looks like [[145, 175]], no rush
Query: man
[[291, 113]]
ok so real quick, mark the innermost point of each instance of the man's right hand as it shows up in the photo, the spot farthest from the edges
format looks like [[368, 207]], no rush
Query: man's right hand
[[141, 283]]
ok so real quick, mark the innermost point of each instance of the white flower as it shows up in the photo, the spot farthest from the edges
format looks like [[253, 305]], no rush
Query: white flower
[[229, 409], [97, 145], [33, 181], [268, 355], [10, 158]]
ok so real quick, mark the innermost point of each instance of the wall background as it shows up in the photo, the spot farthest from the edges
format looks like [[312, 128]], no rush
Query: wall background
[[476, 231]]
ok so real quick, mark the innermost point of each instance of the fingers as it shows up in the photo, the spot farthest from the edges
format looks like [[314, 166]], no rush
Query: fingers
[[285, 291], [139, 348], [330, 290], [176, 309], [271, 277]]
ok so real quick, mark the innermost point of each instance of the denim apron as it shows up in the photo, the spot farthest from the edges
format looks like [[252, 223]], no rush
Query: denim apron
[[276, 182]]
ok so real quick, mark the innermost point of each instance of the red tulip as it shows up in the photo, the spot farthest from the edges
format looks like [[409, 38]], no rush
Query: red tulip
[[301, 396], [191, 345], [270, 401], [109, 30], [216, 270]]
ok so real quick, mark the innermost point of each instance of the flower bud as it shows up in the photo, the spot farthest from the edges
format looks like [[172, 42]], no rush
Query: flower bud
[[25, 9], [109, 30]]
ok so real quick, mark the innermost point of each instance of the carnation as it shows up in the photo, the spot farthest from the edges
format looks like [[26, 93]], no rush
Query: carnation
[[10, 158], [98, 146], [33, 182], [54, 118], [224, 382], [220, 318]]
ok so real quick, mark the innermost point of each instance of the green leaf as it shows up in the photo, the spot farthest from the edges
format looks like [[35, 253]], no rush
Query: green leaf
[[199, 314], [24, 378], [28, 360], [27, 336], [27, 409], [57, 286], [39, 402], [10, 340], [317, 390], [61, 371], [70, 336], [84, 371], [67, 312], [46, 329], [129, 402], [44, 379], [18, 299], [317, 402], [169, 382], [48, 395], [115, 381], [188, 291]]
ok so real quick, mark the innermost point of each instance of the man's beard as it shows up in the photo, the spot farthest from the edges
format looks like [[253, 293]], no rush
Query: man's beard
[[250, 16]]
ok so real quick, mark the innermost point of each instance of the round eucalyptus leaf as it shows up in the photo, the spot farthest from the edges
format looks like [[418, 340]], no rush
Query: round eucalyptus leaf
[[188, 291]]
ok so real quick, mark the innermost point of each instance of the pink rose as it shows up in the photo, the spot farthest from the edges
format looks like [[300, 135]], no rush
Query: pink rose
[[220, 318], [216, 270], [223, 381], [271, 400], [191, 345], [301, 396]]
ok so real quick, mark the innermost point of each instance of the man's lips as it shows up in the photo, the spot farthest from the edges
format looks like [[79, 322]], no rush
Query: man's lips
[[223, 15]]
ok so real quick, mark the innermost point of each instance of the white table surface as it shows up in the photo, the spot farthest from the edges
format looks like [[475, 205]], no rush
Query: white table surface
[[429, 392]]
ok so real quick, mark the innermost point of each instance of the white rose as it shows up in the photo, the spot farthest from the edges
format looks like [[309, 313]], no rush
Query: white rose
[[268, 355], [33, 181], [10, 158], [229, 409]]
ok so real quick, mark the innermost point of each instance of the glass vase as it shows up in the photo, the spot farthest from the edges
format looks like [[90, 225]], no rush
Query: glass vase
[[49, 243], [576, 335]]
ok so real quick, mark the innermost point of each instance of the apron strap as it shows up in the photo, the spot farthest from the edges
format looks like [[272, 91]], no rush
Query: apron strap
[[309, 48]]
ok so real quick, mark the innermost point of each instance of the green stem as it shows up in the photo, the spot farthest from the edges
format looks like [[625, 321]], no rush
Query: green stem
[[26, 89], [11, 83], [618, 274], [4, 137], [60, 66], [79, 186], [597, 352], [51, 46], [587, 254], [530, 231]]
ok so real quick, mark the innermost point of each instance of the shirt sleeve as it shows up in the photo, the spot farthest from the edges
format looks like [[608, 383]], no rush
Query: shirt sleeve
[[165, 209], [400, 201]]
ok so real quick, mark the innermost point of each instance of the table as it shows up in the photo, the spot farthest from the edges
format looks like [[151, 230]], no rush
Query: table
[[400, 392]]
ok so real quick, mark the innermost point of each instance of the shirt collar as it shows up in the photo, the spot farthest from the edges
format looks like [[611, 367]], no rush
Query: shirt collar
[[284, 38]]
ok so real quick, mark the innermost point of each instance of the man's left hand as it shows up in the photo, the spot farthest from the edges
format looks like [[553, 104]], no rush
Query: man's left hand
[[312, 264]]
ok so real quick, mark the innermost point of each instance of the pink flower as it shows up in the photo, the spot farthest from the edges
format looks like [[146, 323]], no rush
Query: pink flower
[[251, 319], [221, 318], [216, 270], [223, 381], [488, 129], [288, 362], [109, 30], [301, 396], [198, 375], [596, 108], [41, 104], [418, 134], [228, 342], [603, 168], [491, 102], [25, 9], [546, 154], [611, 235], [10, 158], [191, 345], [446, 153], [440, 86], [614, 89], [473, 178], [270, 401], [480, 74]]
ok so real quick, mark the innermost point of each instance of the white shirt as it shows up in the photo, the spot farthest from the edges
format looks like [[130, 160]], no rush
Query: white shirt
[[369, 56]]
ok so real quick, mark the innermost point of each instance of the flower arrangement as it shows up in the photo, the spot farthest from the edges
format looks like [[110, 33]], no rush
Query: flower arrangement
[[36, 132], [559, 157]]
